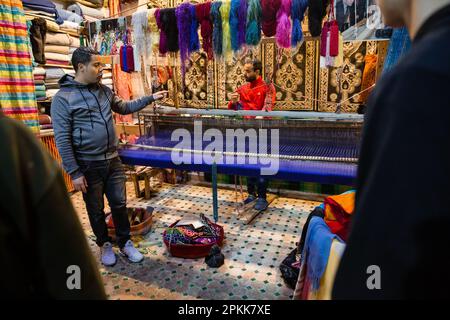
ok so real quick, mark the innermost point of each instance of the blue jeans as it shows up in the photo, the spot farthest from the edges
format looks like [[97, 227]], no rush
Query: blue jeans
[[106, 177], [257, 184]]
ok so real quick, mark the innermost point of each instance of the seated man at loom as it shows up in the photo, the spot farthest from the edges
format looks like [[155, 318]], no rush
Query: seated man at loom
[[252, 96]]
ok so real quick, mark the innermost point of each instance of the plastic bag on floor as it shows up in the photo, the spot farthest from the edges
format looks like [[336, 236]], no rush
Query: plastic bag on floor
[[288, 272], [215, 258]]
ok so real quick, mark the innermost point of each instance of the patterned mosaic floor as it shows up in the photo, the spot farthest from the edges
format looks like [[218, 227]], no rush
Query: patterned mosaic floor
[[252, 252]]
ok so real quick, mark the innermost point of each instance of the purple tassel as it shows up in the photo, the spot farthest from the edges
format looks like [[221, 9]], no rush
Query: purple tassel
[[162, 35], [283, 35], [242, 26], [183, 13]]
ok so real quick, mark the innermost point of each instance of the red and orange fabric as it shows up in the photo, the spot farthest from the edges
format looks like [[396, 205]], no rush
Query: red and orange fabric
[[338, 213]]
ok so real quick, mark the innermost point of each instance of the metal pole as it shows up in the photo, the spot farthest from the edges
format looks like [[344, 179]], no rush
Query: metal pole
[[214, 191]]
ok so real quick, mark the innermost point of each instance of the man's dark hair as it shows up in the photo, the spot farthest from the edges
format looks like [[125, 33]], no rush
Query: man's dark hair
[[257, 65], [82, 55]]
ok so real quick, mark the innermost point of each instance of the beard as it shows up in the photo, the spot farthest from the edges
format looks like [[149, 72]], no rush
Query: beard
[[250, 79]]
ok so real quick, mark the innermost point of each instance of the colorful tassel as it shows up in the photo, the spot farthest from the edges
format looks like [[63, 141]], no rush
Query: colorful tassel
[[206, 28], [216, 19], [234, 24], [194, 42], [162, 34], [298, 14], [253, 32], [269, 16], [184, 21], [283, 35], [226, 37]]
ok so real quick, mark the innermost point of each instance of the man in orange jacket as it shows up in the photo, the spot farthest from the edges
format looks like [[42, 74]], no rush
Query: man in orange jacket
[[252, 96]]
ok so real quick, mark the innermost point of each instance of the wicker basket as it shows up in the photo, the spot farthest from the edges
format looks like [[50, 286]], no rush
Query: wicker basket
[[138, 229], [192, 251]]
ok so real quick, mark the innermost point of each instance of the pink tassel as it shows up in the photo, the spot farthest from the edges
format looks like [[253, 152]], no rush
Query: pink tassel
[[283, 35]]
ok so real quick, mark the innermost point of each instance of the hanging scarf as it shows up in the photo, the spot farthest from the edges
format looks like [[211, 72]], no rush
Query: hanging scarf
[[269, 16], [226, 38], [317, 250], [206, 28], [283, 35], [217, 28], [298, 14], [253, 32], [139, 22]]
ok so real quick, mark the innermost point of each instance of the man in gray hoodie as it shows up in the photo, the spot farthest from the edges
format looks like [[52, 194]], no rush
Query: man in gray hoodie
[[87, 141]]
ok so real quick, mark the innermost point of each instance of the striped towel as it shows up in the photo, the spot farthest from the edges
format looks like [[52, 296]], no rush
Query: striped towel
[[17, 93]]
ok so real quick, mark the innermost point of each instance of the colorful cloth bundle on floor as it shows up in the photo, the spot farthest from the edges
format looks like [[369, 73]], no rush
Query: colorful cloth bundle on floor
[[338, 212], [207, 233], [17, 93]]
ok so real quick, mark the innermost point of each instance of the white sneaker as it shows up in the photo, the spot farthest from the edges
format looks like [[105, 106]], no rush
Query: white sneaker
[[131, 252], [108, 255]]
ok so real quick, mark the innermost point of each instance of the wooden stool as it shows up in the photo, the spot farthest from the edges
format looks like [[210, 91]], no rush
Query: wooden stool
[[146, 173]]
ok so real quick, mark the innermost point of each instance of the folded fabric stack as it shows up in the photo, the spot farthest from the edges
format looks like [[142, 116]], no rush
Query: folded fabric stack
[[107, 76], [39, 83], [45, 122], [52, 77], [59, 48], [90, 10], [43, 9]]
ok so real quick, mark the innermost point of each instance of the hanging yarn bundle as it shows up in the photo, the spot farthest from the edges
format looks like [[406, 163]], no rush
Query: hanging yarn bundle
[[316, 12], [242, 21], [206, 28], [162, 34], [127, 54], [226, 37], [184, 22], [298, 13], [238, 23], [234, 24], [168, 20], [253, 32], [139, 22], [194, 42], [269, 16], [217, 28], [283, 35]]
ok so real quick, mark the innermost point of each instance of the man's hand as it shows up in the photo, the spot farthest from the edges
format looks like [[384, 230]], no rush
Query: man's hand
[[234, 97], [160, 95], [80, 184]]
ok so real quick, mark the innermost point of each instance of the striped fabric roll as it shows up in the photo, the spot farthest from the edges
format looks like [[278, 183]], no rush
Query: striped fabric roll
[[17, 93]]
